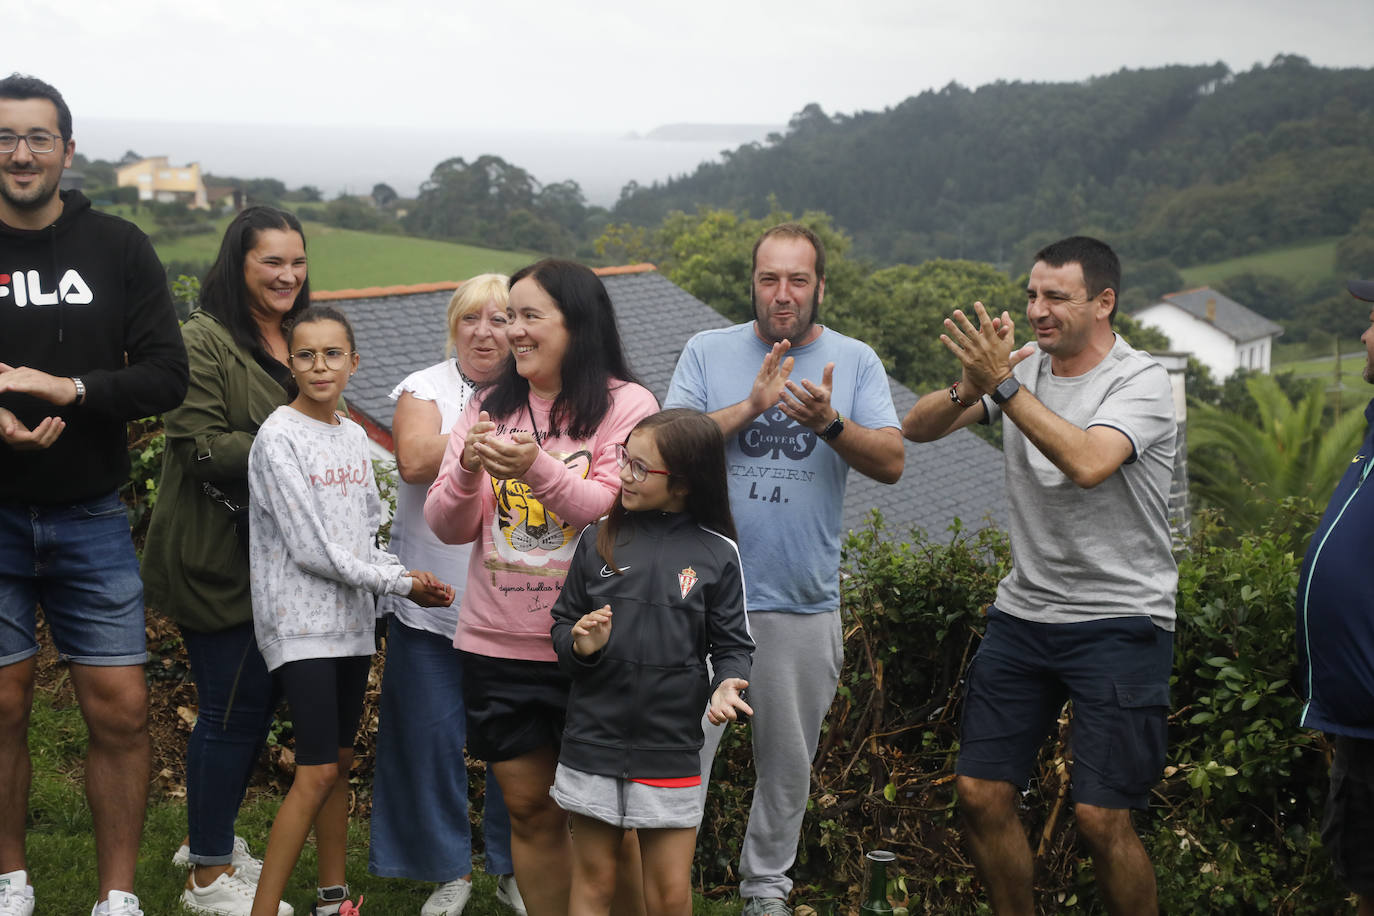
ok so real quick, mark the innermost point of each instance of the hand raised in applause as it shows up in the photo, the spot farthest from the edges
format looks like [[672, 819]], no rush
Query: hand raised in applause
[[809, 403], [773, 375], [507, 459], [427, 591], [726, 702], [986, 351], [593, 631], [477, 433]]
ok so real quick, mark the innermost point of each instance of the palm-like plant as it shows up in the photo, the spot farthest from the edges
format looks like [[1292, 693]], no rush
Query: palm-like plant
[[1244, 467]]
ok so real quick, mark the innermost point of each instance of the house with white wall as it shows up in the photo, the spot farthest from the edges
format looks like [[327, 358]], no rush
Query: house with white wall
[[1221, 333]]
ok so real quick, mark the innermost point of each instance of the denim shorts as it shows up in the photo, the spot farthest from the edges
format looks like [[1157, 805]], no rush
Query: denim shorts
[[1115, 670], [1348, 823], [77, 562]]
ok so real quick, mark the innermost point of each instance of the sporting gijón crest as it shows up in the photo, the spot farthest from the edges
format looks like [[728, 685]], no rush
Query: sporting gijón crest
[[686, 579], [25, 288]]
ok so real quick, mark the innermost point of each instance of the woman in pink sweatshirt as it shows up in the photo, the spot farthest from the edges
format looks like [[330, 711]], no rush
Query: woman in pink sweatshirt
[[532, 462]]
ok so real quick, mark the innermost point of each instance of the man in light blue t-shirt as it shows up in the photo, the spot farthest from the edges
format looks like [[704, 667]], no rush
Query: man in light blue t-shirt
[[1087, 611], [789, 447]]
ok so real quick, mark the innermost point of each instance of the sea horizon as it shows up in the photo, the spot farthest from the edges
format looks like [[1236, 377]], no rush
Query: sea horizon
[[347, 160]]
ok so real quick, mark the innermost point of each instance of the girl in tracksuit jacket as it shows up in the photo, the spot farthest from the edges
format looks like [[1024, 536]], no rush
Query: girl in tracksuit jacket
[[653, 590]]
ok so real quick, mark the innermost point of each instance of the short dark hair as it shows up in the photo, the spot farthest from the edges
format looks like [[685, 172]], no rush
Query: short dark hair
[[225, 295], [313, 314], [790, 231], [594, 357], [1101, 267], [693, 451], [19, 86]]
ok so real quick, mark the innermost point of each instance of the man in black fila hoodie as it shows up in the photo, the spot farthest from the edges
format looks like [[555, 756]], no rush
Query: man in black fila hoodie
[[88, 340]]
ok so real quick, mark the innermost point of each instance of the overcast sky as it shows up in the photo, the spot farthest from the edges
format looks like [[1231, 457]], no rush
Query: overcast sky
[[553, 65]]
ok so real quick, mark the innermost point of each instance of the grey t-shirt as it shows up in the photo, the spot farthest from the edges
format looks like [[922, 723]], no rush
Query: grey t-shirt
[[1086, 554]]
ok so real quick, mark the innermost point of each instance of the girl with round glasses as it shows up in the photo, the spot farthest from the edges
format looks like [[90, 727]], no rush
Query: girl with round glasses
[[655, 589]]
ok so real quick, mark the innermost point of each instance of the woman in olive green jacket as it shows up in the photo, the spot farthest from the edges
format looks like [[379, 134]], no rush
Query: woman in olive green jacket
[[195, 568]]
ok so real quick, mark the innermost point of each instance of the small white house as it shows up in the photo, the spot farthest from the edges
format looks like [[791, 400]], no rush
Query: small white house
[[1221, 333]]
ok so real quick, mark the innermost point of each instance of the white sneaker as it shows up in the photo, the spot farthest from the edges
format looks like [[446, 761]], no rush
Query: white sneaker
[[16, 894], [117, 904], [227, 895], [509, 893], [245, 866], [448, 899]]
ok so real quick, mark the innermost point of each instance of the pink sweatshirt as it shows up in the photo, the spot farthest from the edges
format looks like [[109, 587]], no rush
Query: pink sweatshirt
[[526, 529]]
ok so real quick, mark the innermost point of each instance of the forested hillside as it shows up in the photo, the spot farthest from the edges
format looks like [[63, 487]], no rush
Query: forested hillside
[[1183, 163]]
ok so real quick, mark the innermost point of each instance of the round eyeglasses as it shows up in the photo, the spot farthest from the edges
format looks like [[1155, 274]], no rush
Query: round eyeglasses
[[334, 359], [638, 469], [40, 141]]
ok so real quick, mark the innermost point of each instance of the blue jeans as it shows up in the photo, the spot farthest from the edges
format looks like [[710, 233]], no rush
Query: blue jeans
[[237, 696], [420, 827], [78, 562]]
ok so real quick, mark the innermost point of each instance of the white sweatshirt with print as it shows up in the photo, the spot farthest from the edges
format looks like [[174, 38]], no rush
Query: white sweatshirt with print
[[313, 518]]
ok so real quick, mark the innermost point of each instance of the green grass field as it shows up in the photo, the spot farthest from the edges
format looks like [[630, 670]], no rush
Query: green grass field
[[347, 259], [1299, 263], [61, 848]]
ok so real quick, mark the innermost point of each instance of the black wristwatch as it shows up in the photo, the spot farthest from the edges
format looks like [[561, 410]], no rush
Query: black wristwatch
[[832, 429], [1004, 391]]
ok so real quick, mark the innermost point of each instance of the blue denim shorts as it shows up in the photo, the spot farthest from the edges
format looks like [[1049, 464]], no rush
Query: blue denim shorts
[[78, 562], [1115, 670]]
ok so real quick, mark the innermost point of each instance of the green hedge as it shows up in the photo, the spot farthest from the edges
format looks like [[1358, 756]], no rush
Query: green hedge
[[1233, 824]]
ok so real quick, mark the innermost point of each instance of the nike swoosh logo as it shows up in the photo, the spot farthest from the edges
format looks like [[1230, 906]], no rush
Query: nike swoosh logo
[[607, 572]]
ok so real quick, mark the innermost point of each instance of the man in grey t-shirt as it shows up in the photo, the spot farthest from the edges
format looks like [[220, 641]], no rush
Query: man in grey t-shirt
[[1087, 611]]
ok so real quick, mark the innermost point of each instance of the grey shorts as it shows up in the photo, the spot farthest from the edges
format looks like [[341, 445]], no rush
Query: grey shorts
[[625, 803]]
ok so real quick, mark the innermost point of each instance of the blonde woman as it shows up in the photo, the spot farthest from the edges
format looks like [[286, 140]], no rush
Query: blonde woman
[[420, 827]]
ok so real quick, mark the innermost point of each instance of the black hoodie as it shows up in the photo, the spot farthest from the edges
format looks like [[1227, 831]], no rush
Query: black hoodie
[[85, 297]]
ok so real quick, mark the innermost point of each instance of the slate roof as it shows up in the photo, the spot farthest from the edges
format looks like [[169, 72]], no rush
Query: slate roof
[[1232, 318], [400, 330]]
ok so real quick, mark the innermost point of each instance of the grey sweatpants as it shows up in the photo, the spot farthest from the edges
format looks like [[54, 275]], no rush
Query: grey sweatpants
[[797, 660]]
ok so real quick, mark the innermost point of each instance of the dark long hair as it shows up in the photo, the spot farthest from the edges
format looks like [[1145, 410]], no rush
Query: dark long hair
[[693, 449], [225, 295], [594, 358]]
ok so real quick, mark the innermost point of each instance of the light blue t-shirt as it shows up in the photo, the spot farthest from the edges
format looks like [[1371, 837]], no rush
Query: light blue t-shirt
[[786, 485]]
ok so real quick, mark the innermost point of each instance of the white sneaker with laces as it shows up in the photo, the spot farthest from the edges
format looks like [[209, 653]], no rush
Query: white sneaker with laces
[[118, 903], [16, 894], [508, 892], [448, 899], [230, 894], [244, 864]]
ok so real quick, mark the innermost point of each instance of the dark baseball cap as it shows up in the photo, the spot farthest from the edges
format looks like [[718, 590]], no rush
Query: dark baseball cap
[[1361, 289]]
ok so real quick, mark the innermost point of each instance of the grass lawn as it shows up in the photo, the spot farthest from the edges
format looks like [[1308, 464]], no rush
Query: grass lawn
[[1299, 263], [347, 259], [61, 849]]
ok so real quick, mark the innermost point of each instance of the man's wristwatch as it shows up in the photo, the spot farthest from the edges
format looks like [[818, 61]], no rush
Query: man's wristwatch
[[80, 390], [1003, 392], [832, 429]]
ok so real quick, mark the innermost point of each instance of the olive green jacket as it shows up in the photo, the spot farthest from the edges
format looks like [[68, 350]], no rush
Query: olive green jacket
[[194, 570]]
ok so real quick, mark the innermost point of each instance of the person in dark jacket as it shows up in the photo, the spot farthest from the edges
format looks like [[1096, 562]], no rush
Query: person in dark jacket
[[1336, 652], [664, 565], [88, 341]]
